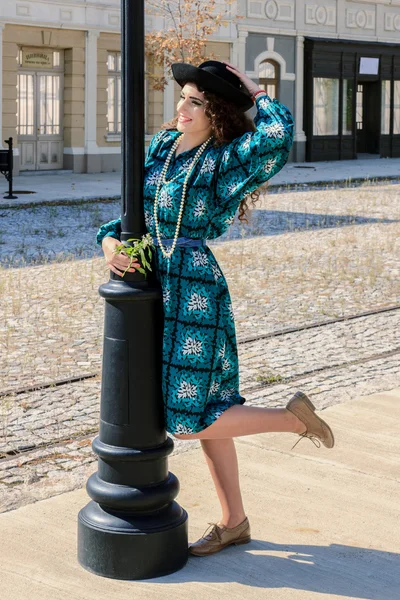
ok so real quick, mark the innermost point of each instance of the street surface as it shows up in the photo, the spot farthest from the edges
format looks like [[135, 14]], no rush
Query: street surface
[[304, 259]]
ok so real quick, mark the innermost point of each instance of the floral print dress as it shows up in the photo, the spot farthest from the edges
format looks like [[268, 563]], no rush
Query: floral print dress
[[200, 361]]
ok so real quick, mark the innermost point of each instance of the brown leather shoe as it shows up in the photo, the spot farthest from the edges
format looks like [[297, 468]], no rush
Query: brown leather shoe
[[301, 406], [220, 537]]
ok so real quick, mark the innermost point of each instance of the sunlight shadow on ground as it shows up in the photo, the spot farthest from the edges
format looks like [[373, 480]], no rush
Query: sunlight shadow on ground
[[69, 233], [336, 569], [276, 222]]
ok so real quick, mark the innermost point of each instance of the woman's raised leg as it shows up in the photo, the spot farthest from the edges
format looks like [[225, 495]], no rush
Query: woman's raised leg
[[241, 420]]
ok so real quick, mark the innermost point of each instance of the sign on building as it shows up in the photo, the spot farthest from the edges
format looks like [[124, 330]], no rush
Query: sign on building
[[37, 58]]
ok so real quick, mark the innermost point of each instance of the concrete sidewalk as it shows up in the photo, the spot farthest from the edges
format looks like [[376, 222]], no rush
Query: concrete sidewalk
[[324, 523], [63, 186]]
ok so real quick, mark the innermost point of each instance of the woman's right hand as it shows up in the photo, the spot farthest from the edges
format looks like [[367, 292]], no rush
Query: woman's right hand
[[118, 263]]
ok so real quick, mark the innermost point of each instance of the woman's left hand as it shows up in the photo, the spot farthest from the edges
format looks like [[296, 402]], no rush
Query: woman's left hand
[[250, 85]]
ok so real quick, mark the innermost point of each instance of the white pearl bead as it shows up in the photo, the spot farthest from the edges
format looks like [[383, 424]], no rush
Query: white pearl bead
[[162, 181]]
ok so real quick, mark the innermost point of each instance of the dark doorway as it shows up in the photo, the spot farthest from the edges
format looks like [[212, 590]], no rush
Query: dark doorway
[[368, 117]]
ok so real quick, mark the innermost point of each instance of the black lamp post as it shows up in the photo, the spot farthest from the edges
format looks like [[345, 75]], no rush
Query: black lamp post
[[133, 528]]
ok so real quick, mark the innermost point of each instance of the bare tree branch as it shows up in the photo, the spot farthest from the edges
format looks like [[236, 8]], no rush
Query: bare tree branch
[[188, 26]]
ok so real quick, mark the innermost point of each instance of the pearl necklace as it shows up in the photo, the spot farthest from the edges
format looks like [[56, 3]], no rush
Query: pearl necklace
[[162, 181]]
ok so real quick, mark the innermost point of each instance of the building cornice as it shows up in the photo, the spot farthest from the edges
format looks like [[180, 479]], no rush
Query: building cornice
[[66, 14], [378, 20], [356, 23], [78, 15]]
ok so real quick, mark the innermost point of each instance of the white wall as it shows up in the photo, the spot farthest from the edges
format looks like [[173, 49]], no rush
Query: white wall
[[74, 14], [345, 19]]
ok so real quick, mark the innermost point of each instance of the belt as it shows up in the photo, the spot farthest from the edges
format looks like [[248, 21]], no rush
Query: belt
[[181, 241]]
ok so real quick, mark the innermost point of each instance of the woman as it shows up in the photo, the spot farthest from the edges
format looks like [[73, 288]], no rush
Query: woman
[[199, 170]]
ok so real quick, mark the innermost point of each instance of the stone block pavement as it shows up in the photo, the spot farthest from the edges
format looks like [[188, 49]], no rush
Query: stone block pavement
[[323, 522], [46, 433], [47, 446]]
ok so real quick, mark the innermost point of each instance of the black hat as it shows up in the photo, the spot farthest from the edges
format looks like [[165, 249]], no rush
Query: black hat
[[213, 76]]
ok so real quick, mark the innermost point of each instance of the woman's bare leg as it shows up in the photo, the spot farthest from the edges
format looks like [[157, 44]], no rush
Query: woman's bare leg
[[222, 461], [239, 420], [220, 452]]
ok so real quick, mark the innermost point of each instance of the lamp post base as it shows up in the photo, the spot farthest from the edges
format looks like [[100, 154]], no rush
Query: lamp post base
[[120, 545]]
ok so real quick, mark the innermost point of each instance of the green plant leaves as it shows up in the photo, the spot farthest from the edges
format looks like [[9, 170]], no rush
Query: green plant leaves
[[138, 250]]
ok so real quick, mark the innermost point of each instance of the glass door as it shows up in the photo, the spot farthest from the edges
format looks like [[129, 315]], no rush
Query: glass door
[[39, 121]]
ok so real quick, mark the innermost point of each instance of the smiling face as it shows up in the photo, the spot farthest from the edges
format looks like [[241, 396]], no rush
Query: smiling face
[[191, 112]]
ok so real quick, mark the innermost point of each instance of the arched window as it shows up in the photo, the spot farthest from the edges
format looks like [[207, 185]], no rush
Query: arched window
[[268, 74]]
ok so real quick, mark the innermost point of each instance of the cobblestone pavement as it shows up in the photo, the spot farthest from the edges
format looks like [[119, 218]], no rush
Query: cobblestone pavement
[[44, 234], [54, 315], [54, 318], [331, 363]]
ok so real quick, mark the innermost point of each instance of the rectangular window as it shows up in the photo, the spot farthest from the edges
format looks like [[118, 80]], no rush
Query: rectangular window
[[114, 93], [347, 117], [49, 102], [396, 108], [385, 110], [326, 106], [25, 112]]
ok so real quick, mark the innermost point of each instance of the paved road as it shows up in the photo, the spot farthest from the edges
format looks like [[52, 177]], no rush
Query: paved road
[[331, 363], [45, 234], [300, 276]]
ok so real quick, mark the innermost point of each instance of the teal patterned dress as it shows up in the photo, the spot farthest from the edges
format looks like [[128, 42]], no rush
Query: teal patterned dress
[[200, 361]]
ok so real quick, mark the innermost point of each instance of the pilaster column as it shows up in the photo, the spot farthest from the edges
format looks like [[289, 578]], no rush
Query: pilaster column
[[241, 50], [91, 92], [234, 51], [169, 101], [2, 25], [299, 135]]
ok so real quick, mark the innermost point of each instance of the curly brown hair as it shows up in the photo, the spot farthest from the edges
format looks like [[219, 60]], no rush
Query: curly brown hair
[[228, 122]]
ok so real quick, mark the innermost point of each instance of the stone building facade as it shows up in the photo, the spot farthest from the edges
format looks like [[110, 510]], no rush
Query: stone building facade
[[334, 63], [60, 84]]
